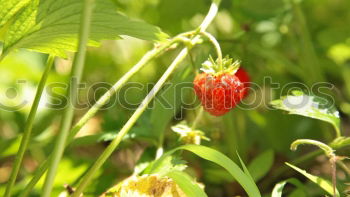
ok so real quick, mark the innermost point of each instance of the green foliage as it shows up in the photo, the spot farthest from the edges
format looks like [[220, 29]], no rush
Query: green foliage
[[76, 169], [220, 159], [261, 165], [9, 8], [288, 40], [262, 9], [187, 185], [169, 164], [9, 147], [277, 190], [51, 26], [170, 101], [309, 106], [322, 183], [213, 67]]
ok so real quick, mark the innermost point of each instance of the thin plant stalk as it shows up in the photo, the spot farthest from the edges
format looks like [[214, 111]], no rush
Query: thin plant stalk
[[217, 47], [130, 123], [107, 96], [198, 118], [160, 149], [78, 66], [337, 131], [302, 159], [333, 161], [329, 151], [102, 101], [28, 127]]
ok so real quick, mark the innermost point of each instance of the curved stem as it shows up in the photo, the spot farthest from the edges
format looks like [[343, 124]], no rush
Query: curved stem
[[28, 127], [78, 66], [156, 51], [130, 123], [217, 47], [302, 159], [327, 149], [337, 131]]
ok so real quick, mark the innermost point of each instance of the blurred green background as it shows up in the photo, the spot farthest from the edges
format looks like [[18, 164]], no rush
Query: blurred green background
[[305, 42]]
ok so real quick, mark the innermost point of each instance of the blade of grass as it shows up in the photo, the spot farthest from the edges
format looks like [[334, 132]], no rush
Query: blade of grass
[[114, 144], [245, 169], [277, 190], [28, 128], [241, 176], [78, 66], [322, 183]]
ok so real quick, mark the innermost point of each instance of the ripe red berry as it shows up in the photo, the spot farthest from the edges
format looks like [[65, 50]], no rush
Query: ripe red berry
[[243, 76], [218, 93]]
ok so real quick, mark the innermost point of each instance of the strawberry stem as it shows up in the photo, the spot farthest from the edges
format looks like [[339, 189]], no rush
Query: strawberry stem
[[217, 47]]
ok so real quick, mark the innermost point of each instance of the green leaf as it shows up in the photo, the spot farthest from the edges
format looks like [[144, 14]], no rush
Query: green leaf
[[324, 184], [277, 190], [9, 147], [187, 185], [106, 136], [142, 131], [309, 106], [218, 158], [9, 8], [170, 163], [340, 142], [52, 26], [260, 9], [75, 168], [261, 165]]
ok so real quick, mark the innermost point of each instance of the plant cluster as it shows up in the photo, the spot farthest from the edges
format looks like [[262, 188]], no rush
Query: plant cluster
[[58, 28]]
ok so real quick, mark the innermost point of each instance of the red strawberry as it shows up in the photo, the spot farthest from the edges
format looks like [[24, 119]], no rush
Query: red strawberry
[[218, 91], [245, 79]]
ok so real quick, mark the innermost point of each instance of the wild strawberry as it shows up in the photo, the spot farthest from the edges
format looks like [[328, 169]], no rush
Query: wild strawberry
[[245, 79], [218, 89]]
